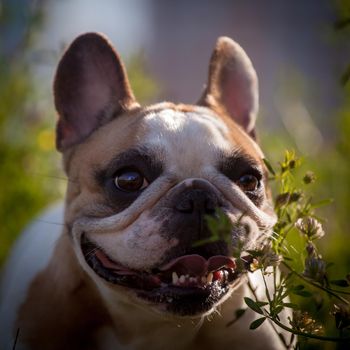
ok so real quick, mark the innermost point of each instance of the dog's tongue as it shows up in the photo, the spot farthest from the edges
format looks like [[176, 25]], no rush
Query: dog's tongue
[[196, 265], [109, 264]]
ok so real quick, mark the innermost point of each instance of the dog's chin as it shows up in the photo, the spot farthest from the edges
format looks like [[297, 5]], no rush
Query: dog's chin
[[186, 286]]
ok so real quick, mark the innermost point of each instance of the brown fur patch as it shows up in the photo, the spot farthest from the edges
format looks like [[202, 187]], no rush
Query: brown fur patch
[[90, 88], [232, 83], [63, 309]]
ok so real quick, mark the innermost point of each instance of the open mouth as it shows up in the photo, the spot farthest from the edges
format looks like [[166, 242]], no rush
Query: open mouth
[[187, 285]]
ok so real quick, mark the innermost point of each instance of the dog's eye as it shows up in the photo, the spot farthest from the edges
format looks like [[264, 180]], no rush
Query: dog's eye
[[130, 180], [248, 183]]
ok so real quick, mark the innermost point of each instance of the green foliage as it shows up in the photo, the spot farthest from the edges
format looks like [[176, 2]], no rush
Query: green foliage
[[304, 263], [257, 323], [321, 310], [220, 226], [26, 141], [144, 87]]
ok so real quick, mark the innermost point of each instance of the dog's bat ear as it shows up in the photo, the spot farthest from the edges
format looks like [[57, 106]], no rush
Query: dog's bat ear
[[232, 84], [90, 88]]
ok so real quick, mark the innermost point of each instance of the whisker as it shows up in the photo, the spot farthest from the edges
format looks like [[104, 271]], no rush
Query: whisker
[[63, 178], [91, 253], [49, 222]]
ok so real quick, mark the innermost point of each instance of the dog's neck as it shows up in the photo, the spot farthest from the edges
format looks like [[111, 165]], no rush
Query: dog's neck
[[139, 326]]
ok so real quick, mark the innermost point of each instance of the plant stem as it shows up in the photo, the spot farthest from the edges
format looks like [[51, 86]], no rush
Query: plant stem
[[270, 320], [329, 291], [339, 291], [266, 288], [293, 331], [307, 335]]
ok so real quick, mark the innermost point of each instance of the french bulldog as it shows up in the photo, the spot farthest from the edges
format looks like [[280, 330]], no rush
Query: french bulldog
[[134, 265]]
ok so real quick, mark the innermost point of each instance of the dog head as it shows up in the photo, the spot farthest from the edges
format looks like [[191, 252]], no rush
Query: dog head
[[142, 180]]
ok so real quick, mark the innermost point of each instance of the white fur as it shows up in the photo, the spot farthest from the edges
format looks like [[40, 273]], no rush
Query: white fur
[[190, 141], [138, 246], [30, 255]]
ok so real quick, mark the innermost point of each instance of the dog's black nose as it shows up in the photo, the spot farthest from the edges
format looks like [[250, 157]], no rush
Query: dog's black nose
[[197, 201]]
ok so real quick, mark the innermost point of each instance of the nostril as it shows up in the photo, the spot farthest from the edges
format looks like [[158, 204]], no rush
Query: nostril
[[197, 201], [185, 206], [210, 206]]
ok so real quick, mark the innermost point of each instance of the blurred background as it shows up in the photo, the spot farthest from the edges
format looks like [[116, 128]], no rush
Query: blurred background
[[300, 49]]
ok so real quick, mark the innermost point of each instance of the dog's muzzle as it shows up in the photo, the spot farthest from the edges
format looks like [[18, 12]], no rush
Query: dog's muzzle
[[191, 279], [187, 285]]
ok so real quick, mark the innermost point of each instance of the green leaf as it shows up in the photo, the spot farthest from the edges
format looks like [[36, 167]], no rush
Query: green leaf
[[322, 203], [261, 303], [253, 305], [345, 76], [340, 283], [257, 323], [329, 264], [302, 293], [211, 239], [269, 166], [298, 287], [289, 218], [277, 310], [291, 305]]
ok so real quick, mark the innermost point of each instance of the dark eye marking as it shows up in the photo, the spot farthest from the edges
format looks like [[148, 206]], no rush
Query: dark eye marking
[[147, 163], [127, 175], [247, 173]]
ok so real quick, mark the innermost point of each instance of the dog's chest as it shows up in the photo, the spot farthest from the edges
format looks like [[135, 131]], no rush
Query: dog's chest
[[31, 254]]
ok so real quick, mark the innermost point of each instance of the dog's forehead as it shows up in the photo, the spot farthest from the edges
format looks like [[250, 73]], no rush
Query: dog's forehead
[[188, 139], [185, 138], [193, 138], [181, 129]]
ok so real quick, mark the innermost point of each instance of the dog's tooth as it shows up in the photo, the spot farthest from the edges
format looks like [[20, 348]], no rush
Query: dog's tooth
[[169, 299], [204, 280], [193, 279], [175, 277], [210, 277], [182, 279], [225, 276]]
